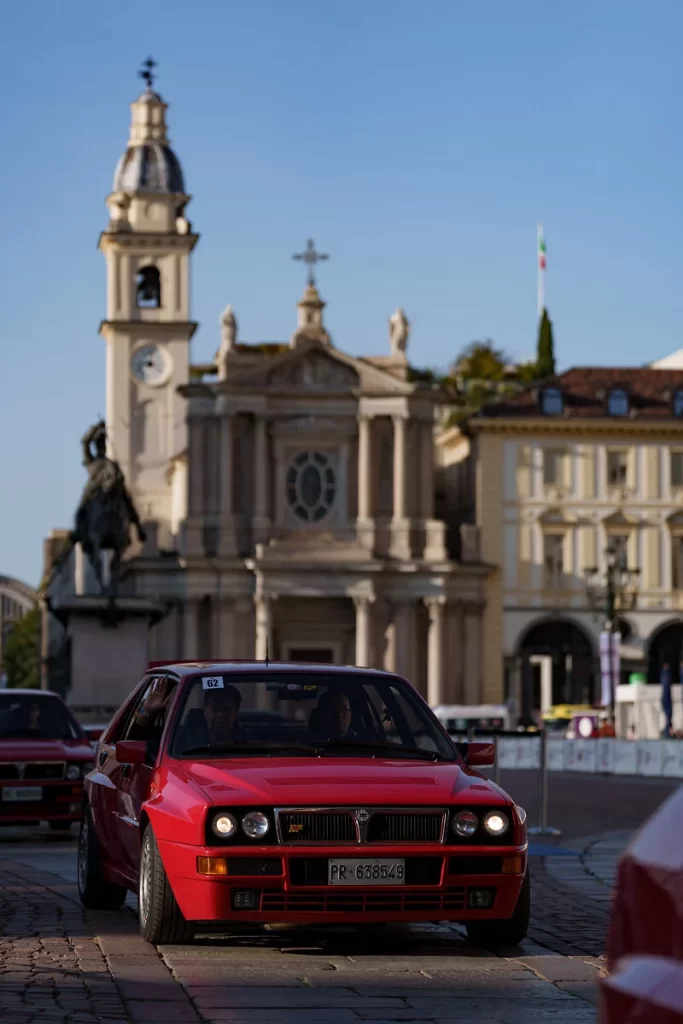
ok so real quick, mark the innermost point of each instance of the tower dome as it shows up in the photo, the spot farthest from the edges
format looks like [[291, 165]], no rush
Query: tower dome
[[149, 164]]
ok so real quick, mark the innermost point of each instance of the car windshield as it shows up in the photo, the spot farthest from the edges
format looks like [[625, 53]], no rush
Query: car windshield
[[25, 716], [306, 714]]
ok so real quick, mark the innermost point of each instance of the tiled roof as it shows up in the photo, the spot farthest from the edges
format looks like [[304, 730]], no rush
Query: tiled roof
[[585, 392]]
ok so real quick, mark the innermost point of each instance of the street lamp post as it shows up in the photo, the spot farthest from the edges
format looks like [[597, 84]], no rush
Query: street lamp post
[[615, 590]]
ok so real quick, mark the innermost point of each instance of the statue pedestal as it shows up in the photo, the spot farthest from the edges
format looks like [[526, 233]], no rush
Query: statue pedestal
[[109, 648]]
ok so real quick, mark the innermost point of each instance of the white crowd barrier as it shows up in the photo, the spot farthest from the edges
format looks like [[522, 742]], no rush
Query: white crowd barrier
[[653, 758]]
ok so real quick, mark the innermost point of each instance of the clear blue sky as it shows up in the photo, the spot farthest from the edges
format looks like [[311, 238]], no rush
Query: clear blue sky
[[418, 143]]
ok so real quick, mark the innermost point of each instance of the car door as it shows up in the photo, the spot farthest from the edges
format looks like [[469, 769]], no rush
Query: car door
[[104, 781], [134, 780]]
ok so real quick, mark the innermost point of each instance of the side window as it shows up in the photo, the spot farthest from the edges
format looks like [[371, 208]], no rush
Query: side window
[[117, 730], [150, 713]]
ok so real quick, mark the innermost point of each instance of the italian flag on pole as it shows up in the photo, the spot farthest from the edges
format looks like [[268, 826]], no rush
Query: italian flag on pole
[[541, 249]]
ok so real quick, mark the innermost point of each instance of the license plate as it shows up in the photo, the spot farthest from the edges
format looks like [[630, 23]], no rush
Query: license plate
[[22, 794], [364, 871]]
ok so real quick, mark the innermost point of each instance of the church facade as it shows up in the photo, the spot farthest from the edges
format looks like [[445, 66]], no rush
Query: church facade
[[287, 490]]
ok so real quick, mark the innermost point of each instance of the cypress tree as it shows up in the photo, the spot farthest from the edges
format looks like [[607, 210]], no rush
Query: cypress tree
[[545, 355]]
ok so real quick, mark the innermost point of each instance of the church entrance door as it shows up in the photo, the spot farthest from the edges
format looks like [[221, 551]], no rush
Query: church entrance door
[[317, 655]]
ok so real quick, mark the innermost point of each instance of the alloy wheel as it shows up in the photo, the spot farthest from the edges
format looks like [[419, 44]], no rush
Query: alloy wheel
[[145, 887]]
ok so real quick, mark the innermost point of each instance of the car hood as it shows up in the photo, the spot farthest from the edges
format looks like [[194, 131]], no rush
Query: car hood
[[45, 750], [340, 781]]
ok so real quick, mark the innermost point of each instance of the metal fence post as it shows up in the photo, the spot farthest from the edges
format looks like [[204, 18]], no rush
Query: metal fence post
[[544, 829]]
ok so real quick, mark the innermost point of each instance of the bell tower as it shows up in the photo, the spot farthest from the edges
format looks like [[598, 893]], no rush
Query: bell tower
[[147, 331]]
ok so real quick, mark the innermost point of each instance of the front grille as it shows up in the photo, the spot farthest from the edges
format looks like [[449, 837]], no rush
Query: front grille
[[402, 827], [36, 771], [326, 901], [314, 870], [45, 770], [317, 827], [254, 866]]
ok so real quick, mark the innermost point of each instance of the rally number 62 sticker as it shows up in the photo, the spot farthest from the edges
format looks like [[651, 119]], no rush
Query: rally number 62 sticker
[[212, 683]]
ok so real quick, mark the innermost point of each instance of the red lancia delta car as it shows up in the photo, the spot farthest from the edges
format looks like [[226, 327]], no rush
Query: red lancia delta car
[[44, 757], [227, 792]]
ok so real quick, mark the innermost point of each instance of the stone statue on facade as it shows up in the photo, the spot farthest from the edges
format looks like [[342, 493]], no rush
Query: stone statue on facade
[[228, 330], [399, 331], [106, 512]]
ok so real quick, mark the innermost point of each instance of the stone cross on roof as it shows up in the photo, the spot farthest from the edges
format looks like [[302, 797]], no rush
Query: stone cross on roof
[[310, 257]]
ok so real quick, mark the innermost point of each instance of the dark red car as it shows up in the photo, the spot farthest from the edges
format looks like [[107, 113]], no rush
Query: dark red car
[[296, 793], [44, 757]]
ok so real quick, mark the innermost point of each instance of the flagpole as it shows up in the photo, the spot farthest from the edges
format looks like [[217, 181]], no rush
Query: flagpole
[[540, 271]]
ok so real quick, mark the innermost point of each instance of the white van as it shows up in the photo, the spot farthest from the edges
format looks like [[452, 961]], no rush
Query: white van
[[487, 719]]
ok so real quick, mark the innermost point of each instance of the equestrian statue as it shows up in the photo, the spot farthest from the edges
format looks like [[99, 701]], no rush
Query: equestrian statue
[[106, 511]]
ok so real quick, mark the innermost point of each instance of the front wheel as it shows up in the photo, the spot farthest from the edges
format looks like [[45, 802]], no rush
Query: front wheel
[[504, 933], [95, 892], [161, 920]]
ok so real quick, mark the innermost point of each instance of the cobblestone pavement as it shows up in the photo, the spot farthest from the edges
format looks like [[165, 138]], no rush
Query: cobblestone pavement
[[63, 966]]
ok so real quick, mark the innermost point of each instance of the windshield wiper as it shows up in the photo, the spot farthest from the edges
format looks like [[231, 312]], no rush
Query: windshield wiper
[[240, 747], [382, 748]]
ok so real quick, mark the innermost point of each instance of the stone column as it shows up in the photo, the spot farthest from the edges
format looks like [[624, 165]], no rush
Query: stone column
[[194, 534], [400, 525], [427, 469], [435, 651], [190, 630], [224, 629], [399, 468], [474, 653], [225, 486], [261, 522], [364, 467], [264, 628], [405, 639], [363, 631]]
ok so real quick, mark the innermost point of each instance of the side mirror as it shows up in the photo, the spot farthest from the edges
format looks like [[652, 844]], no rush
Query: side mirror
[[131, 752], [481, 755]]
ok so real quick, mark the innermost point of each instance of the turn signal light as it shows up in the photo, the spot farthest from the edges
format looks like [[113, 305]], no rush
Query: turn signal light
[[212, 866], [513, 865]]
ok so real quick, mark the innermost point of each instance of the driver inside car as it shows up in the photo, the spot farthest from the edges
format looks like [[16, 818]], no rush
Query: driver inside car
[[332, 718], [216, 723]]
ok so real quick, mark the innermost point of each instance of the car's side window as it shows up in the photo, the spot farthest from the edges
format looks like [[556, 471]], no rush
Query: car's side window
[[151, 712], [117, 732]]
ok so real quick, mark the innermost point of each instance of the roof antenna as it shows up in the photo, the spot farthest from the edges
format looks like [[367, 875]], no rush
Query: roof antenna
[[266, 651]]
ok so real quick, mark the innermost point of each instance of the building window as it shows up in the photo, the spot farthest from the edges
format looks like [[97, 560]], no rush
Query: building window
[[617, 468], [148, 288], [552, 402], [553, 466], [677, 562], [553, 559], [677, 469], [311, 486], [678, 402], [618, 403]]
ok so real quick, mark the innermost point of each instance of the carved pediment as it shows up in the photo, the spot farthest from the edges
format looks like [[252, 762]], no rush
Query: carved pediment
[[619, 520], [313, 372]]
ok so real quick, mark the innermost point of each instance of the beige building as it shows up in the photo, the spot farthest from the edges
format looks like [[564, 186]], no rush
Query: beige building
[[593, 460], [287, 489]]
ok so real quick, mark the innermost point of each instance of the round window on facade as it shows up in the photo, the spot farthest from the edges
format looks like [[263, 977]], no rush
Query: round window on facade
[[311, 486]]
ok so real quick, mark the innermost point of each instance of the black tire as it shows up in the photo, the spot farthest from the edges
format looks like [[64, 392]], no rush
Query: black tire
[[161, 921], [504, 933], [59, 826], [95, 892]]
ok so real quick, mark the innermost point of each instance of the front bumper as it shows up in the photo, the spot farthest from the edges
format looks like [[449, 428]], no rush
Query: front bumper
[[60, 801], [291, 886]]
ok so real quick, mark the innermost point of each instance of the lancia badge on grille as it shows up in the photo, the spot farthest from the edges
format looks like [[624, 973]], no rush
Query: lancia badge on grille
[[362, 817]]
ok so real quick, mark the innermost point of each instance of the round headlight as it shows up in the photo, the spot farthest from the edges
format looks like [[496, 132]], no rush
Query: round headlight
[[224, 825], [255, 824], [73, 772], [496, 823], [465, 823]]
